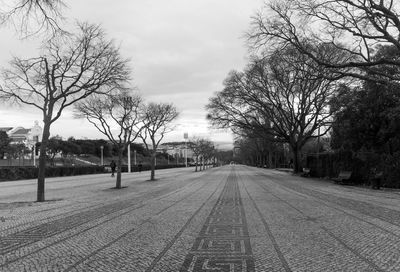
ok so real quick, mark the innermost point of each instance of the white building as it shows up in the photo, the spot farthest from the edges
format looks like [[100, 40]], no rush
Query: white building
[[27, 136]]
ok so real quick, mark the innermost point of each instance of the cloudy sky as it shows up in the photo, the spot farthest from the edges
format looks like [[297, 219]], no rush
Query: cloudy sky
[[180, 51]]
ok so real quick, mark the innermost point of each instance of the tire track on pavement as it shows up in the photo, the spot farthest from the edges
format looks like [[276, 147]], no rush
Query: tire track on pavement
[[387, 215], [270, 235], [303, 193], [325, 203], [320, 226]]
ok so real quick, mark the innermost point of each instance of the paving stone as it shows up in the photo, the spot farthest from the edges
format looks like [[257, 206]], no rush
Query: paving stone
[[234, 218]]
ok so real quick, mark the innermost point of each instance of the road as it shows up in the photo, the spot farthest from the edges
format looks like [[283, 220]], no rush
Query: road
[[233, 218]]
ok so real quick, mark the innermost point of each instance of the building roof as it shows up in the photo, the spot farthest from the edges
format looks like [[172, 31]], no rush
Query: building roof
[[5, 129], [23, 131]]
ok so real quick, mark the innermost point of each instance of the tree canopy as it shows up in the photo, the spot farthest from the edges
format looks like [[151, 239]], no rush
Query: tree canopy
[[285, 97], [70, 67], [355, 29]]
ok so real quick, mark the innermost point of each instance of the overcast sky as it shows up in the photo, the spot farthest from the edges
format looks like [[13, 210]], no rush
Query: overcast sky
[[180, 51]]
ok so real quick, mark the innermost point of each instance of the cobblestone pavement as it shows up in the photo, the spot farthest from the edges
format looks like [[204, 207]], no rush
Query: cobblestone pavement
[[232, 218]]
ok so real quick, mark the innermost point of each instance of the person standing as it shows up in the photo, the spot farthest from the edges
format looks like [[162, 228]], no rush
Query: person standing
[[113, 166]]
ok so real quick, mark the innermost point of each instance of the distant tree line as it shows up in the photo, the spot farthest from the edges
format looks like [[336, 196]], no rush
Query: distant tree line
[[83, 147]]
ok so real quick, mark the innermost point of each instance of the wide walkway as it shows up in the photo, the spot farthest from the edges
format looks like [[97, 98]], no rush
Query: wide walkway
[[232, 218]]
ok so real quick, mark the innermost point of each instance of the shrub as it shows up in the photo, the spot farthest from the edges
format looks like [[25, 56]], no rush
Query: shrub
[[362, 165], [146, 167], [30, 172]]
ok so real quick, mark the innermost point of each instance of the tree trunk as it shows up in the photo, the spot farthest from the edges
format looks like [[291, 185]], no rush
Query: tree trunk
[[297, 168], [269, 159], [152, 165], [42, 163], [197, 161], [119, 164]]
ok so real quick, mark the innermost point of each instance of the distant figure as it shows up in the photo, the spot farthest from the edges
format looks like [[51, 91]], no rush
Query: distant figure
[[140, 167], [113, 166]]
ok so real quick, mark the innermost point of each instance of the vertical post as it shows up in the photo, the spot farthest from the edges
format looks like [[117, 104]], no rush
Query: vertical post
[[186, 154], [284, 155], [101, 155], [129, 158], [185, 136], [318, 170], [34, 154], [134, 157]]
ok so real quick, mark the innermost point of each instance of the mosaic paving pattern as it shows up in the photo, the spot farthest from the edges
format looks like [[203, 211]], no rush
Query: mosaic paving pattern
[[34, 234], [223, 243]]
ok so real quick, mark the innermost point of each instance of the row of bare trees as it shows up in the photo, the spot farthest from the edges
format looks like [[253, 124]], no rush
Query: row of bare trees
[[281, 98], [82, 68], [353, 29], [123, 118], [303, 51], [203, 152]]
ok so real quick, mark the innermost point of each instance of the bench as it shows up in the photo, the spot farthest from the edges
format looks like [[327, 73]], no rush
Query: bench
[[343, 177], [306, 172]]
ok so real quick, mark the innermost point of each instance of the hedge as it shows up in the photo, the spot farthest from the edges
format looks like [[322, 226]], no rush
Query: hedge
[[29, 172], [146, 167], [361, 164]]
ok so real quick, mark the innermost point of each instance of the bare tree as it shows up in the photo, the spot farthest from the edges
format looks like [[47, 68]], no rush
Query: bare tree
[[67, 71], [285, 97], [195, 144], [117, 116], [157, 122], [207, 152], [354, 29], [202, 149], [31, 17], [257, 147]]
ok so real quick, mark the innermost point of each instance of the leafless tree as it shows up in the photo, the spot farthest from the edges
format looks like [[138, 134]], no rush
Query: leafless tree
[[202, 149], [195, 145], [30, 17], [257, 147], [67, 71], [354, 29], [285, 96], [207, 152], [117, 116], [157, 122]]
